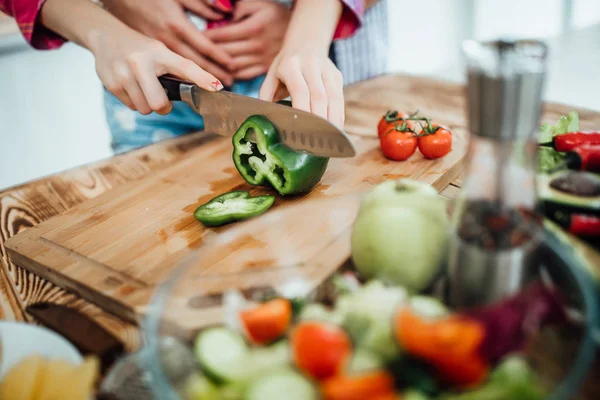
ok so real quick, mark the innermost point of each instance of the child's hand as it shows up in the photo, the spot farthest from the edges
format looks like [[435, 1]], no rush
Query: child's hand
[[311, 79], [128, 64], [303, 68], [254, 36]]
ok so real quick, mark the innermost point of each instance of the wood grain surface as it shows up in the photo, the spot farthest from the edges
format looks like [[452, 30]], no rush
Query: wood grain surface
[[116, 249], [27, 205]]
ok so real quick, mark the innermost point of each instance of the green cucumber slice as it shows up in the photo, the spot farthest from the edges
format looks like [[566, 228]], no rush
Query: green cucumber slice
[[282, 384], [219, 351]]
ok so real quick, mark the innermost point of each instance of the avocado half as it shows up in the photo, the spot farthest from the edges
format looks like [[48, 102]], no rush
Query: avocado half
[[569, 192]]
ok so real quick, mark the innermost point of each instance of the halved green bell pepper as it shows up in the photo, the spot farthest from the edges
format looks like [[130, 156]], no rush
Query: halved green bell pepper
[[262, 159], [231, 207]]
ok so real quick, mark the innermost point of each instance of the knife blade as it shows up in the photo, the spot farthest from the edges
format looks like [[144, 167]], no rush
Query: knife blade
[[87, 336], [223, 113]]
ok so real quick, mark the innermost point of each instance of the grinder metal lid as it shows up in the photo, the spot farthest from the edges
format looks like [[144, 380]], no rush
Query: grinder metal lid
[[505, 84]]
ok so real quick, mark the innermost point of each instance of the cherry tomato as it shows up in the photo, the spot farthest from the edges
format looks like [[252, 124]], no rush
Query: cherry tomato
[[436, 144], [320, 349], [389, 121], [397, 145], [268, 321]]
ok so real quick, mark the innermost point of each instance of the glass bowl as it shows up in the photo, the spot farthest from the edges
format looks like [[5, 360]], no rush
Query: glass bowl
[[292, 251]]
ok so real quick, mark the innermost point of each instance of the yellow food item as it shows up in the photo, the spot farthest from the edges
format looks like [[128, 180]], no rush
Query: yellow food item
[[82, 381], [36, 378], [55, 376], [21, 381]]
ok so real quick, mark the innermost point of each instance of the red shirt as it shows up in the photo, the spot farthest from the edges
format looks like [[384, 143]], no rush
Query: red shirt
[[26, 13]]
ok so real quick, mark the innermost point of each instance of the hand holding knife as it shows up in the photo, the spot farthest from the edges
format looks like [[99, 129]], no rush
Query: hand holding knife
[[224, 112]]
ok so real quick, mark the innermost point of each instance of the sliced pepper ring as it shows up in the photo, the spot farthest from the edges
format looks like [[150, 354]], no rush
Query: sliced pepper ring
[[262, 159], [231, 207]]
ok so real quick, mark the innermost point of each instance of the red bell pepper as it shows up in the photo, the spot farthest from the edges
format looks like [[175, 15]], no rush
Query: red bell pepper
[[570, 141], [586, 157], [463, 348], [583, 225]]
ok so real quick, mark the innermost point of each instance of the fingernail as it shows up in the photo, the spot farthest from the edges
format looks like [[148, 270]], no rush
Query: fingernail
[[217, 84]]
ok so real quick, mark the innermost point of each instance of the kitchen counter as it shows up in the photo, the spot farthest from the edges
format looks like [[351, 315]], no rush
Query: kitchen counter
[[29, 204], [24, 206]]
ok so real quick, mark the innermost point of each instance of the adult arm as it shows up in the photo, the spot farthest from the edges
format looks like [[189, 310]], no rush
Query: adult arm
[[167, 21], [127, 62]]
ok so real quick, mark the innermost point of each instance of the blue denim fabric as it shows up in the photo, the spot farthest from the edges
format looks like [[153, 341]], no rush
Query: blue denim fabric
[[130, 129]]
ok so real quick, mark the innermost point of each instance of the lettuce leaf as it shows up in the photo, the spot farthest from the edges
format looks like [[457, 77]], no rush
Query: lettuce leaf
[[548, 158], [566, 123]]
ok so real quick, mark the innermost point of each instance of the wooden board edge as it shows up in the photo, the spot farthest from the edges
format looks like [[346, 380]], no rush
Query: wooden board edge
[[450, 175], [115, 307]]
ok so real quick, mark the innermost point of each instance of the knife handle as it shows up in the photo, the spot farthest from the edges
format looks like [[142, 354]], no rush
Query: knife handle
[[172, 86]]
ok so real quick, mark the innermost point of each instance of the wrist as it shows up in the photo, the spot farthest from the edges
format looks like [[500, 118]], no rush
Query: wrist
[[97, 37], [313, 24]]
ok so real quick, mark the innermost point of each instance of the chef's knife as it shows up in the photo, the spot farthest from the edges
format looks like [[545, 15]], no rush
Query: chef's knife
[[223, 113], [87, 335]]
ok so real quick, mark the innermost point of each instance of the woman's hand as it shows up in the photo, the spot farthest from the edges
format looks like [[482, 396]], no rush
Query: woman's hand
[[166, 21], [302, 68], [129, 64]]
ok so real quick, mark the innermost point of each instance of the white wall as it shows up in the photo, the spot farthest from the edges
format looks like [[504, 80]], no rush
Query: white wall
[[51, 115], [518, 18], [585, 13]]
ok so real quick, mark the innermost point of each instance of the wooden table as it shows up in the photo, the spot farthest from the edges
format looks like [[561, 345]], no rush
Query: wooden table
[[27, 205], [24, 206]]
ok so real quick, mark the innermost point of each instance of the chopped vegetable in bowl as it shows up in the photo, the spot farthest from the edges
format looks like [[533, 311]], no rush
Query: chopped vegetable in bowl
[[376, 342], [349, 336]]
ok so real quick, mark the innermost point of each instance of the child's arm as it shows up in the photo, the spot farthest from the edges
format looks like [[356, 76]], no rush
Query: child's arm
[[303, 68], [127, 62]]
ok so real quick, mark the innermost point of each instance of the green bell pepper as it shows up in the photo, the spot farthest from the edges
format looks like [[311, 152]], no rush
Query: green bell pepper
[[262, 159], [231, 207]]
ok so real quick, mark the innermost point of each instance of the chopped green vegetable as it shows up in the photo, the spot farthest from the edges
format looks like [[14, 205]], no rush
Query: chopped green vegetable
[[284, 383], [198, 387], [367, 313], [414, 395], [262, 159], [363, 360], [231, 207], [548, 158], [220, 352], [512, 379], [565, 124], [318, 312], [429, 307], [413, 374]]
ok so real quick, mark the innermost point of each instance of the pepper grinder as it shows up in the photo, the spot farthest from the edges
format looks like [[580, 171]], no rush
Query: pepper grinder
[[495, 224]]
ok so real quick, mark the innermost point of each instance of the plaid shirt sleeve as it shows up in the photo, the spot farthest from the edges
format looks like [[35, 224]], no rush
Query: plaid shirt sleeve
[[26, 13], [351, 20]]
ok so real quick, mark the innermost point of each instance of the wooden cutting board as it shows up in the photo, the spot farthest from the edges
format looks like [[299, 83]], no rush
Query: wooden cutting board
[[115, 249]]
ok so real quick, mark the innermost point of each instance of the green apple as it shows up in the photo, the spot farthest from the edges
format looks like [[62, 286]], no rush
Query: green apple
[[404, 192], [400, 235]]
